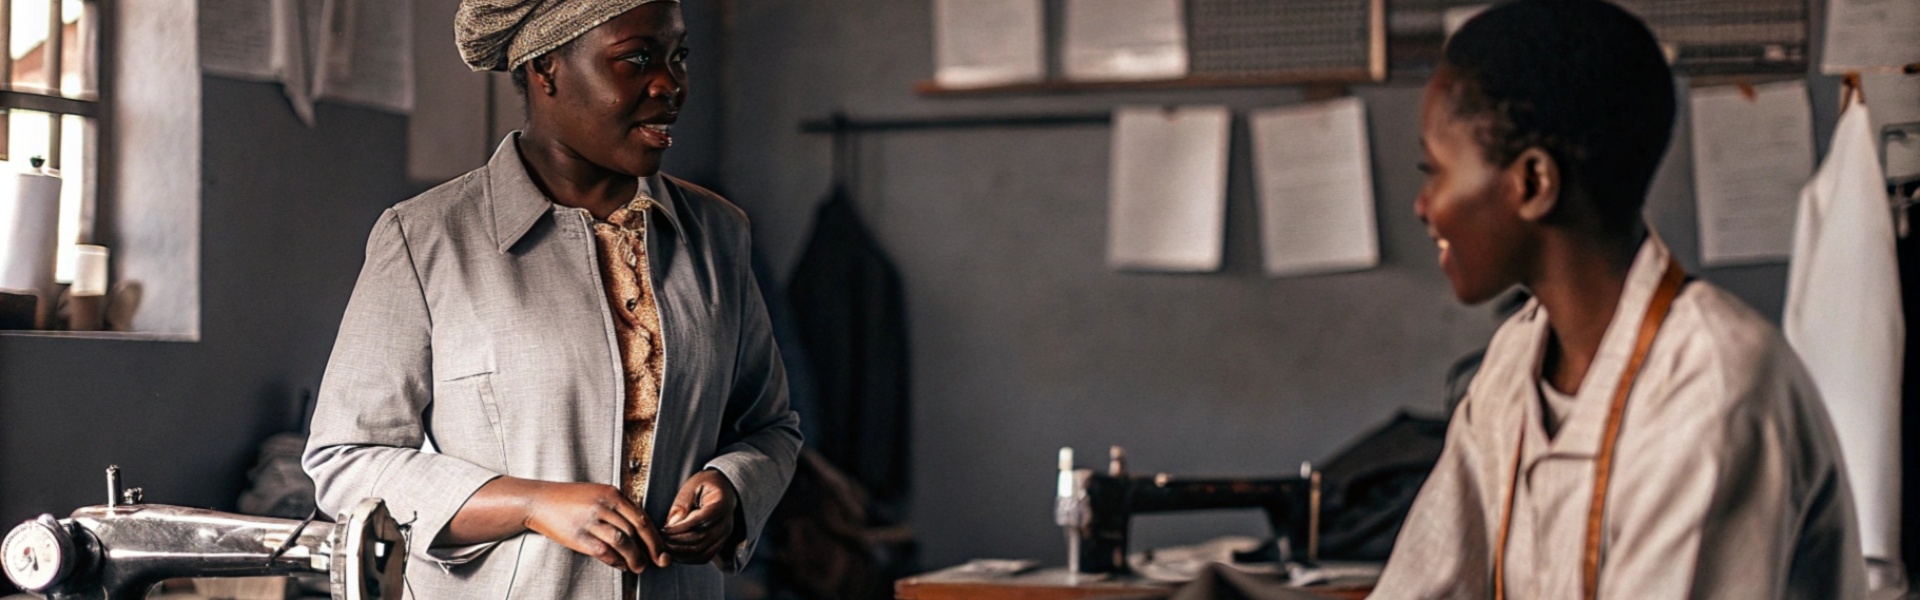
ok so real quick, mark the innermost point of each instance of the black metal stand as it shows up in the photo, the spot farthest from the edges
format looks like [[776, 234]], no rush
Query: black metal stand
[[840, 123]]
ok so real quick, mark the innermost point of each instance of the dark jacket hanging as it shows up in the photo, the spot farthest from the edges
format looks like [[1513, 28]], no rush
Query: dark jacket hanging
[[847, 298]]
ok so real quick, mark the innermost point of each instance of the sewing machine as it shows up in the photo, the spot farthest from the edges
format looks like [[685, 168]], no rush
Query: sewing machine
[[119, 550], [1096, 509]]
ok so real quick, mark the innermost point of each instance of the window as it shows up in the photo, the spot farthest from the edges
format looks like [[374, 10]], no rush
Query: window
[[51, 103]]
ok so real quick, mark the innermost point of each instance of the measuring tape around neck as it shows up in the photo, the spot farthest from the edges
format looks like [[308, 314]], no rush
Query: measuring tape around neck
[[1663, 297]]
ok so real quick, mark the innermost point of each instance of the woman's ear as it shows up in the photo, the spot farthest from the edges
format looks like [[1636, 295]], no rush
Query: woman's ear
[[540, 74], [1537, 180]]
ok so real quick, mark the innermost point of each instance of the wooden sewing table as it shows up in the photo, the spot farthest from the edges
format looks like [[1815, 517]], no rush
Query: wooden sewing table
[[1055, 583]]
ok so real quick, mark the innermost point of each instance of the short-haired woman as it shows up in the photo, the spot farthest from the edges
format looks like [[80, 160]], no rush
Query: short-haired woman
[[1631, 434]]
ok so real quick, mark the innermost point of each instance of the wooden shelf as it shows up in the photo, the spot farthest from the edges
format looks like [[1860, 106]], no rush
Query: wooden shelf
[[1314, 78], [130, 336]]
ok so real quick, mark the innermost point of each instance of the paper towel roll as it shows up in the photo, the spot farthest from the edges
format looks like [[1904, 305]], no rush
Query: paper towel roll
[[29, 228]]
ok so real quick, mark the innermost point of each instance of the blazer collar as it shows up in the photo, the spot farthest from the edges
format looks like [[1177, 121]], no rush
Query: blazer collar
[[516, 203], [665, 197]]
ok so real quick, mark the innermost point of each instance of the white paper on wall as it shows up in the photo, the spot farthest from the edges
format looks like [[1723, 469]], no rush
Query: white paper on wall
[[1871, 34], [354, 51], [236, 39], [1750, 157], [366, 54], [1315, 182], [1168, 194], [261, 40], [981, 43], [1125, 40]]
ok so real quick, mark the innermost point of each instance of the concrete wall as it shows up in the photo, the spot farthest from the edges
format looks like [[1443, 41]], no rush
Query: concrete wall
[[1023, 342], [154, 229]]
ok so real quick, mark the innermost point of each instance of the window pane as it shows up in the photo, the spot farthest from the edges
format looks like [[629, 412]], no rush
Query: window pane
[[26, 46], [78, 185], [29, 134], [80, 38], [32, 19]]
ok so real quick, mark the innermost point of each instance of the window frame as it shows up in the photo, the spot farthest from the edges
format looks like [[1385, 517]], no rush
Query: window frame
[[53, 52], [91, 102]]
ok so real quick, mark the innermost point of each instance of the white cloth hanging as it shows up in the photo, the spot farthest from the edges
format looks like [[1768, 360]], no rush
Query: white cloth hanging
[[1843, 316]]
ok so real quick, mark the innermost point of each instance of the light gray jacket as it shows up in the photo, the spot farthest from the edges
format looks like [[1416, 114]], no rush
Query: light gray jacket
[[478, 343]]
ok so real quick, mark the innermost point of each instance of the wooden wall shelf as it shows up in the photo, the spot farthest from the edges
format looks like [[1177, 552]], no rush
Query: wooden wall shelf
[[1339, 77]]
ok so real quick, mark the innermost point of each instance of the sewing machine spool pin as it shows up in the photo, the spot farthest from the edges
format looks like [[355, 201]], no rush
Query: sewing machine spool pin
[[1313, 510], [113, 486]]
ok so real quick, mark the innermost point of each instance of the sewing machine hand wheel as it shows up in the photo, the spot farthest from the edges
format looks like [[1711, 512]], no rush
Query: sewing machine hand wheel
[[370, 555], [38, 554]]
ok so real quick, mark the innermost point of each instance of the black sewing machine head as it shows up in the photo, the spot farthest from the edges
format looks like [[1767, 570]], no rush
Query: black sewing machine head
[[1096, 508], [119, 550]]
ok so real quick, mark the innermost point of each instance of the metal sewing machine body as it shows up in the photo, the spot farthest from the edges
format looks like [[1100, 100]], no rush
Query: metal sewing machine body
[[119, 550], [1096, 509]]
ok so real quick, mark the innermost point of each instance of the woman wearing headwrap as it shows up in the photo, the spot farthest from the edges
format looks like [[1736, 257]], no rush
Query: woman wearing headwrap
[[558, 368]]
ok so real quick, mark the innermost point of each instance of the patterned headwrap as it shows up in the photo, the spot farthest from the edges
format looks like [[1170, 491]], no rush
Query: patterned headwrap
[[500, 35]]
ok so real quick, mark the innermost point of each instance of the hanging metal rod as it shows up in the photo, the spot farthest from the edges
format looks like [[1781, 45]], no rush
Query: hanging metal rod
[[844, 124]]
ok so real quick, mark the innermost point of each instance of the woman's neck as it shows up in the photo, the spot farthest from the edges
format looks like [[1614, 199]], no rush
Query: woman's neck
[[1580, 282], [571, 180]]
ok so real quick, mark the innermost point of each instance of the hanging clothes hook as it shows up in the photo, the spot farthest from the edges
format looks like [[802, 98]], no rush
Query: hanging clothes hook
[[1902, 206], [842, 152], [1851, 90]]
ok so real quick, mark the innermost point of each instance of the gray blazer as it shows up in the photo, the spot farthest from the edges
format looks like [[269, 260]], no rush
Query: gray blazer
[[478, 343]]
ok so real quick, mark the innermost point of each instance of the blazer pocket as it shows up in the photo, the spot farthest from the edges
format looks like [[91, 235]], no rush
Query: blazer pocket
[[480, 386], [492, 407]]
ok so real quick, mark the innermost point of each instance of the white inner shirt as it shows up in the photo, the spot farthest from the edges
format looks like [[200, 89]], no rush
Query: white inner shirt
[[1557, 405]]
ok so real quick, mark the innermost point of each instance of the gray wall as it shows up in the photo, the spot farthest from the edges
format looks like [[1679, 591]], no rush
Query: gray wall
[[1023, 341]]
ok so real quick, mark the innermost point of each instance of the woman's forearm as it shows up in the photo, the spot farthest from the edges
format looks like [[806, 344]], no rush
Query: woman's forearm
[[496, 511], [589, 518]]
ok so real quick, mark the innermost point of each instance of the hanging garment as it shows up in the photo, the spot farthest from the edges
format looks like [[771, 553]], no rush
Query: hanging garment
[[848, 301], [1843, 317]]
